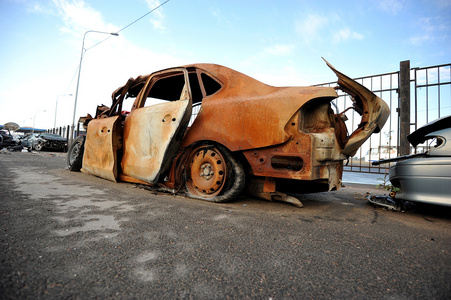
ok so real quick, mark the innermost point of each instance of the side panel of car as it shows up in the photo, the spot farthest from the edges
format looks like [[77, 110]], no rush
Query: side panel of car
[[249, 123], [150, 139], [152, 134], [104, 138]]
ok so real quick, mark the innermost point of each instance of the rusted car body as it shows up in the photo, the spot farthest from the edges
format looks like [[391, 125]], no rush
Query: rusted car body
[[269, 140]]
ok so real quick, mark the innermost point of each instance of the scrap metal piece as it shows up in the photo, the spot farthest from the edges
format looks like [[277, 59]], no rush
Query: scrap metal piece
[[276, 196], [384, 201], [265, 189]]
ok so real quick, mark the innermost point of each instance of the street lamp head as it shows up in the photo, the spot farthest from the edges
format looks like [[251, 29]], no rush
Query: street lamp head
[[114, 33]]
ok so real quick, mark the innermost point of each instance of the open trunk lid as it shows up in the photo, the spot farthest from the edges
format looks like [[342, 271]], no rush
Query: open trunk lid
[[374, 111]]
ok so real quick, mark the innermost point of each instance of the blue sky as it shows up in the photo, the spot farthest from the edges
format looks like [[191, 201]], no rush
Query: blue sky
[[278, 42]]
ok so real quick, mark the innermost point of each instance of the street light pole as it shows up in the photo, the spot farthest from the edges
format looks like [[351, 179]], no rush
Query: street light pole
[[34, 118], [56, 107], [79, 71]]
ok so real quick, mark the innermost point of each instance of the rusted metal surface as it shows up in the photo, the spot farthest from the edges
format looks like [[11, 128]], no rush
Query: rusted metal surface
[[264, 188], [148, 133], [284, 137], [254, 116], [103, 140], [207, 172], [373, 109]]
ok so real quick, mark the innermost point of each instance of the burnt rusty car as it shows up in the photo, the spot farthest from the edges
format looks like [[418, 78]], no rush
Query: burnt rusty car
[[269, 140]]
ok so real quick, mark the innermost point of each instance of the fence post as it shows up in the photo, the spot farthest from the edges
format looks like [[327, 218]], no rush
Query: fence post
[[404, 107]]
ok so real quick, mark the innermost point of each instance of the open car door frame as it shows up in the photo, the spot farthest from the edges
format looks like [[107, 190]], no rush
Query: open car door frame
[[147, 141]]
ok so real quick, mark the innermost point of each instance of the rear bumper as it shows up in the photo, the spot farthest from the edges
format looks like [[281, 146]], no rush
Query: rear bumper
[[305, 157]]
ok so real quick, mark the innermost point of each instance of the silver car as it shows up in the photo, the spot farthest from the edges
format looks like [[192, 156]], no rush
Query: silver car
[[425, 177]]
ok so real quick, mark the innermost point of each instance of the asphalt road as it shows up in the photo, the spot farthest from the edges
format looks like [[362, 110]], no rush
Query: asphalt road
[[67, 235]]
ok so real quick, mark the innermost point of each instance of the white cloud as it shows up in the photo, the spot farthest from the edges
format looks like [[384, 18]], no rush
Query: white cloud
[[429, 32], [79, 17], [285, 76], [36, 8], [441, 3], [157, 16], [268, 52], [346, 34], [391, 6], [279, 50], [316, 28], [310, 27], [418, 40]]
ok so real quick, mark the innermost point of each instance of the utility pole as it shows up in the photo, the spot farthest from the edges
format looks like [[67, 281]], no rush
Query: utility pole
[[404, 107]]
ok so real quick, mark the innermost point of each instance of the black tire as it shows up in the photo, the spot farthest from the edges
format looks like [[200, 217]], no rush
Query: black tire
[[220, 189], [74, 159], [38, 147]]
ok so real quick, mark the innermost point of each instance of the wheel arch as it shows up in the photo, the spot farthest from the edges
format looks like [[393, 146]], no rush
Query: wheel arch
[[238, 155]]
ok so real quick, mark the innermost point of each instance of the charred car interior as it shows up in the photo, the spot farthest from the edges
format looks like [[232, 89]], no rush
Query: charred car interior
[[246, 136]]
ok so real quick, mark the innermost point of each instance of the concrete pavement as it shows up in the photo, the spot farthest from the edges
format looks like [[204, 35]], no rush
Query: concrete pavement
[[67, 235]]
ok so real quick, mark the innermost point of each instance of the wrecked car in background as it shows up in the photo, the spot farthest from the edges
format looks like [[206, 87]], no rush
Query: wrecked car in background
[[269, 140], [425, 177], [26, 140], [47, 141], [6, 139]]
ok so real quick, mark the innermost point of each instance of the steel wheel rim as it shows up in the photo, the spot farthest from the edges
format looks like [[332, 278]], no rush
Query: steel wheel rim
[[207, 172]]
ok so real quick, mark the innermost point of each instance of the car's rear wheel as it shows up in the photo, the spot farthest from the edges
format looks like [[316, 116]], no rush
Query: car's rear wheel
[[74, 159], [213, 174]]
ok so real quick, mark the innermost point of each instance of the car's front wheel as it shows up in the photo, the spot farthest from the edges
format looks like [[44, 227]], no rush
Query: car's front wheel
[[74, 159], [38, 147], [213, 174]]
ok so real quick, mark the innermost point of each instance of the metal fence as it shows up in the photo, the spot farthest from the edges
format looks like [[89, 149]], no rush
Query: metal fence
[[65, 131], [432, 94]]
